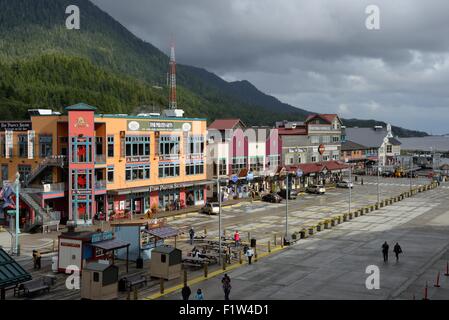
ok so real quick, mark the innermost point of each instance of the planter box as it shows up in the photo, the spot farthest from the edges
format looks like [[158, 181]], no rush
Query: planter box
[[312, 230], [356, 214], [327, 224], [345, 217], [303, 234], [334, 222], [319, 227]]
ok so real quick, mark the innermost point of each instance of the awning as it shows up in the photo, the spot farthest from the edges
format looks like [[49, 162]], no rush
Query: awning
[[11, 273], [163, 232], [129, 191], [109, 245], [180, 185]]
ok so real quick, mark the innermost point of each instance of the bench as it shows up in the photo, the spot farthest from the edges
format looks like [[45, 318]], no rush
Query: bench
[[31, 287], [134, 281]]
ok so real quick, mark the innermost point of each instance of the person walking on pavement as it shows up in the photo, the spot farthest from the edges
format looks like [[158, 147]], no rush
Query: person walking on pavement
[[226, 281], [186, 292], [36, 259], [237, 238], [249, 253], [199, 295], [385, 248], [192, 235], [397, 250]]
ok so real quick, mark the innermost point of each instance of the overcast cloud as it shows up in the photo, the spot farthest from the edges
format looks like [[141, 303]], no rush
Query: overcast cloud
[[313, 54]]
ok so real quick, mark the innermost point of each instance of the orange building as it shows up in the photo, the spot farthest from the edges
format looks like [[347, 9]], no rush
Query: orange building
[[84, 165]]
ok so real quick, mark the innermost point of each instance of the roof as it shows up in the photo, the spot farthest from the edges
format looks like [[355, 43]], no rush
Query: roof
[[11, 273], [369, 137], [110, 244], [163, 232], [395, 142], [296, 131], [351, 145], [81, 106], [165, 249], [317, 167], [96, 266], [86, 235], [223, 124], [328, 117]]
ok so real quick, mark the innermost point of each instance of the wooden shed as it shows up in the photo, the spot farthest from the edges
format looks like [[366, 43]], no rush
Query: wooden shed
[[99, 281], [166, 262]]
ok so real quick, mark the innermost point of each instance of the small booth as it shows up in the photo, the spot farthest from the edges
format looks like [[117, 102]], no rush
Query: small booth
[[166, 262], [77, 248], [143, 235], [99, 281]]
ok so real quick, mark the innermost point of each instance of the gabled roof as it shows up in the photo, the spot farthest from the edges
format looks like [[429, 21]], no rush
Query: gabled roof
[[328, 117], [223, 124], [11, 273], [369, 137], [81, 107], [351, 145], [296, 131], [395, 142]]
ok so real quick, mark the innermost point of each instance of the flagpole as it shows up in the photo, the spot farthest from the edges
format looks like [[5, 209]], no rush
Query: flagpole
[[17, 213]]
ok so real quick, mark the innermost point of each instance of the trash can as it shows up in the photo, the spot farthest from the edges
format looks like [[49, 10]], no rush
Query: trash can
[[122, 285], [54, 264], [139, 263], [253, 243]]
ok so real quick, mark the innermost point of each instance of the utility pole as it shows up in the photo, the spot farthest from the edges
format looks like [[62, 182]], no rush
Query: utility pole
[[350, 187], [410, 173], [219, 211], [378, 172], [286, 209]]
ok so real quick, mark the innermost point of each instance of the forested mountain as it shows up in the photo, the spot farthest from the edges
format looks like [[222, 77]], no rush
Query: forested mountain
[[43, 64]]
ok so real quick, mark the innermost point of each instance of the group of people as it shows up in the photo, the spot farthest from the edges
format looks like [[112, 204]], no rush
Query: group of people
[[396, 249], [226, 284]]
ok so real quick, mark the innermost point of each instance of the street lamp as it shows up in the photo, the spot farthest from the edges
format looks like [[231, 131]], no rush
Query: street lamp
[[17, 213]]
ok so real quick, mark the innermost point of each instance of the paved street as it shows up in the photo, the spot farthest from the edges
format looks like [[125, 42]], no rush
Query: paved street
[[331, 264]]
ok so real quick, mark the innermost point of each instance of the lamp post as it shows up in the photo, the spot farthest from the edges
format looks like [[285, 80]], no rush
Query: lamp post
[[410, 173], [286, 208], [17, 213]]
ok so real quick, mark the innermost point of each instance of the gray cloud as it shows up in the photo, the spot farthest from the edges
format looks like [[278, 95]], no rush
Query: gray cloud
[[314, 54]]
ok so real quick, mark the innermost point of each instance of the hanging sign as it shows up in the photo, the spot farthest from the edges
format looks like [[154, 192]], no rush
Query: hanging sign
[[8, 144], [31, 137]]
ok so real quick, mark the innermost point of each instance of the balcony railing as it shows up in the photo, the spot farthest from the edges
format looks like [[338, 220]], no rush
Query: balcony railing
[[49, 187], [100, 185]]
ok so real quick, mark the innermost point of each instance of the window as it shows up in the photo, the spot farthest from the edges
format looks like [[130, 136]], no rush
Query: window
[[110, 174], [325, 158], [313, 158], [315, 139], [221, 167], [45, 145], [326, 139], [195, 168], [238, 163], [98, 145], [81, 149], [81, 180], [24, 171], [389, 148], [256, 163], [196, 145], [335, 139], [23, 145], [4, 172], [169, 147], [137, 172], [170, 169], [137, 146], [163, 258], [273, 160], [96, 277], [110, 146]]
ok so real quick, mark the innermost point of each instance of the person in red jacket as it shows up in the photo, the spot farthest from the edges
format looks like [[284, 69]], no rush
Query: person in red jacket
[[237, 238]]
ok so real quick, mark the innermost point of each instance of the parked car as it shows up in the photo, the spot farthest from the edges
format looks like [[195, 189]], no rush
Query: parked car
[[272, 197], [318, 189], [210, 208], [387, 174], [292, 194], [344, 184]]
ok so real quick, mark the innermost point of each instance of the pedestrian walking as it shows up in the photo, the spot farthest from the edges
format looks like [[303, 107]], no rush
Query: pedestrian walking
[[397, 250], [361, 182], [192, 235], [36, 260], [226, 281], [186, 292], [249, 253], [237, 238], [199, 295], [385, 248]]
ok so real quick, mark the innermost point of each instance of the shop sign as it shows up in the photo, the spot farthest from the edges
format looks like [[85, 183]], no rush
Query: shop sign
[[299, 173], [81, 123], [321, 148], [234, 178], [250, 176], [296, 150], [103, 236], [31, 136], [148, 125], [8, 144], [15, 126], [138, 159]]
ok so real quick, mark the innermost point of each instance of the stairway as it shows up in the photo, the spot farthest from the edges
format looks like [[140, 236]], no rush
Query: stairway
[[42, 216], [50, 161]]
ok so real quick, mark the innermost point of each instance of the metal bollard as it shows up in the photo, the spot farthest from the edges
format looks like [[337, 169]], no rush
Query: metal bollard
[[205, 231], [162, 285], [240, 257], [255, 254], [269, 246], [205, 270], [275, 242], [224, 263], [135, 294], [185, 277]]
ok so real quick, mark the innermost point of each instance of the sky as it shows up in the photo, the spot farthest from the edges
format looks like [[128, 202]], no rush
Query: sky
[[314, 54]]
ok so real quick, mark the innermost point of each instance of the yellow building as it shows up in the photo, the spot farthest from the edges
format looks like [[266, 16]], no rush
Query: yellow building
[[83, 164]]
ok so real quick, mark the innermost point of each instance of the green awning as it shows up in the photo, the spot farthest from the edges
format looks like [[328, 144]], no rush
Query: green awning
[[11, 273]]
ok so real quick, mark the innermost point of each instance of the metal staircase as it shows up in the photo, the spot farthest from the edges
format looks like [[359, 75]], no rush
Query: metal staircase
[[42, 216], [50, 161]]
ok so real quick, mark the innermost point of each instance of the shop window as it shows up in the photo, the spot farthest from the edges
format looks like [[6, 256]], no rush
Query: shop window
[[23, 145]]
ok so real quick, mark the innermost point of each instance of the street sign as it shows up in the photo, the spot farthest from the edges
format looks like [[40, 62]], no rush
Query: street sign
[[234, 178], [11, 212], [250, 176], [299, 173], [321, 148]]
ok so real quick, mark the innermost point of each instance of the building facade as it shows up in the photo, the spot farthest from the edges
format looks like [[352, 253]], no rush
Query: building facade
[[82, 164]]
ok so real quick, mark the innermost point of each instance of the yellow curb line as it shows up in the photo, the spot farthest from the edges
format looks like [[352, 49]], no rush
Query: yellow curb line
[[211, 275]]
